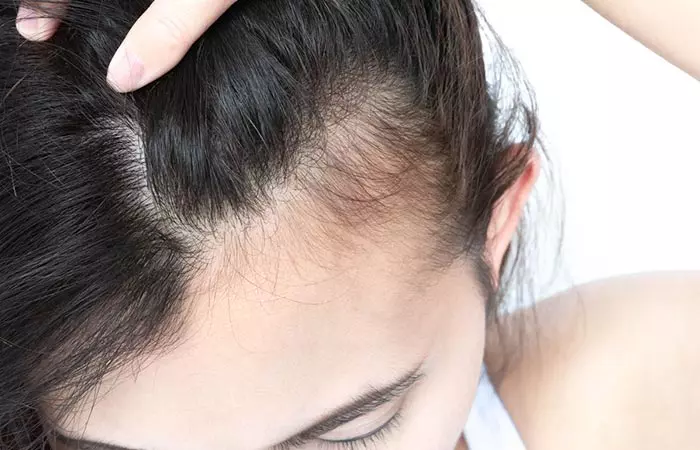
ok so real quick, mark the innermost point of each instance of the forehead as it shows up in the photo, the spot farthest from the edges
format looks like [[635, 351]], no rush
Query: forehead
[[281, 336]]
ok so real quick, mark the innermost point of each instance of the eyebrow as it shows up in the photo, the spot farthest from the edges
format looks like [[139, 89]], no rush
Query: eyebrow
[[360, 405]]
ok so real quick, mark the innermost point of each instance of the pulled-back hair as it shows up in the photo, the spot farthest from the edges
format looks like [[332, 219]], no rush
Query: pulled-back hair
[[375, 110]]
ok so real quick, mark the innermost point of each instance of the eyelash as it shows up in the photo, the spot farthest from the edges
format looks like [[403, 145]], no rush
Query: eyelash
[[367, 442]]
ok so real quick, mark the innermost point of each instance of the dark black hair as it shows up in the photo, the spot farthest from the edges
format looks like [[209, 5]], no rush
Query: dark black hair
[[108, 201]]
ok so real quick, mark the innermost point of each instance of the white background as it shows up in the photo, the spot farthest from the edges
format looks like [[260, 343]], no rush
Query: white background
[[623, 126]]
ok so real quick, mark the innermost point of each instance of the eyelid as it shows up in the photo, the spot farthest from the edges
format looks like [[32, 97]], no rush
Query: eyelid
[[378, 437], [399, 398], [352, 430]]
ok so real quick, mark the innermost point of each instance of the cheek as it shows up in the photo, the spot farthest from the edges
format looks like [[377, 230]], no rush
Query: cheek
[[440, 405]]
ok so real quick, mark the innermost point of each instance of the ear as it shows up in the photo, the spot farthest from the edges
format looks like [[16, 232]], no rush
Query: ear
[[507, 213]]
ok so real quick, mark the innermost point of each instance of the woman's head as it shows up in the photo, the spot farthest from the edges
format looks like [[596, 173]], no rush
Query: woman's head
[[319, 200]]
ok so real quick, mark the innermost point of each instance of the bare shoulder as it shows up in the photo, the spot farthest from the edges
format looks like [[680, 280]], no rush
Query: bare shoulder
[[612, 365]]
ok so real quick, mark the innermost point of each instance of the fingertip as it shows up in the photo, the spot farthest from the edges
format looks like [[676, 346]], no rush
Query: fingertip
[[126, 70], [34, 27]]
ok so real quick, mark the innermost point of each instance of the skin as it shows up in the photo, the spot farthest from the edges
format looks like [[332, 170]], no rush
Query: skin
[[251, 389], [278, 338], [614, 363], [671, 28]]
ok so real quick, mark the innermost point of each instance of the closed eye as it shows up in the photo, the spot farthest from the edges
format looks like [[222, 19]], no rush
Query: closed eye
[[366, 419], [366, 441]]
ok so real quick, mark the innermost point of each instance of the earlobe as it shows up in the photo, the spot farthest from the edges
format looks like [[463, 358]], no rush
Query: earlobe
[[508, 211]]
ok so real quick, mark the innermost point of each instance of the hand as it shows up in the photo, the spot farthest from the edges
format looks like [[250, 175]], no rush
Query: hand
[[154, 45]]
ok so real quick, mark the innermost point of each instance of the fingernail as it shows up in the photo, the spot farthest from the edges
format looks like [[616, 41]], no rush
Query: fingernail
[[27, 22], [126, 71]]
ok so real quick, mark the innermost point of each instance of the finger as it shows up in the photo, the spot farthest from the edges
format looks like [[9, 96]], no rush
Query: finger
[[159, 40], [40, 21]]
